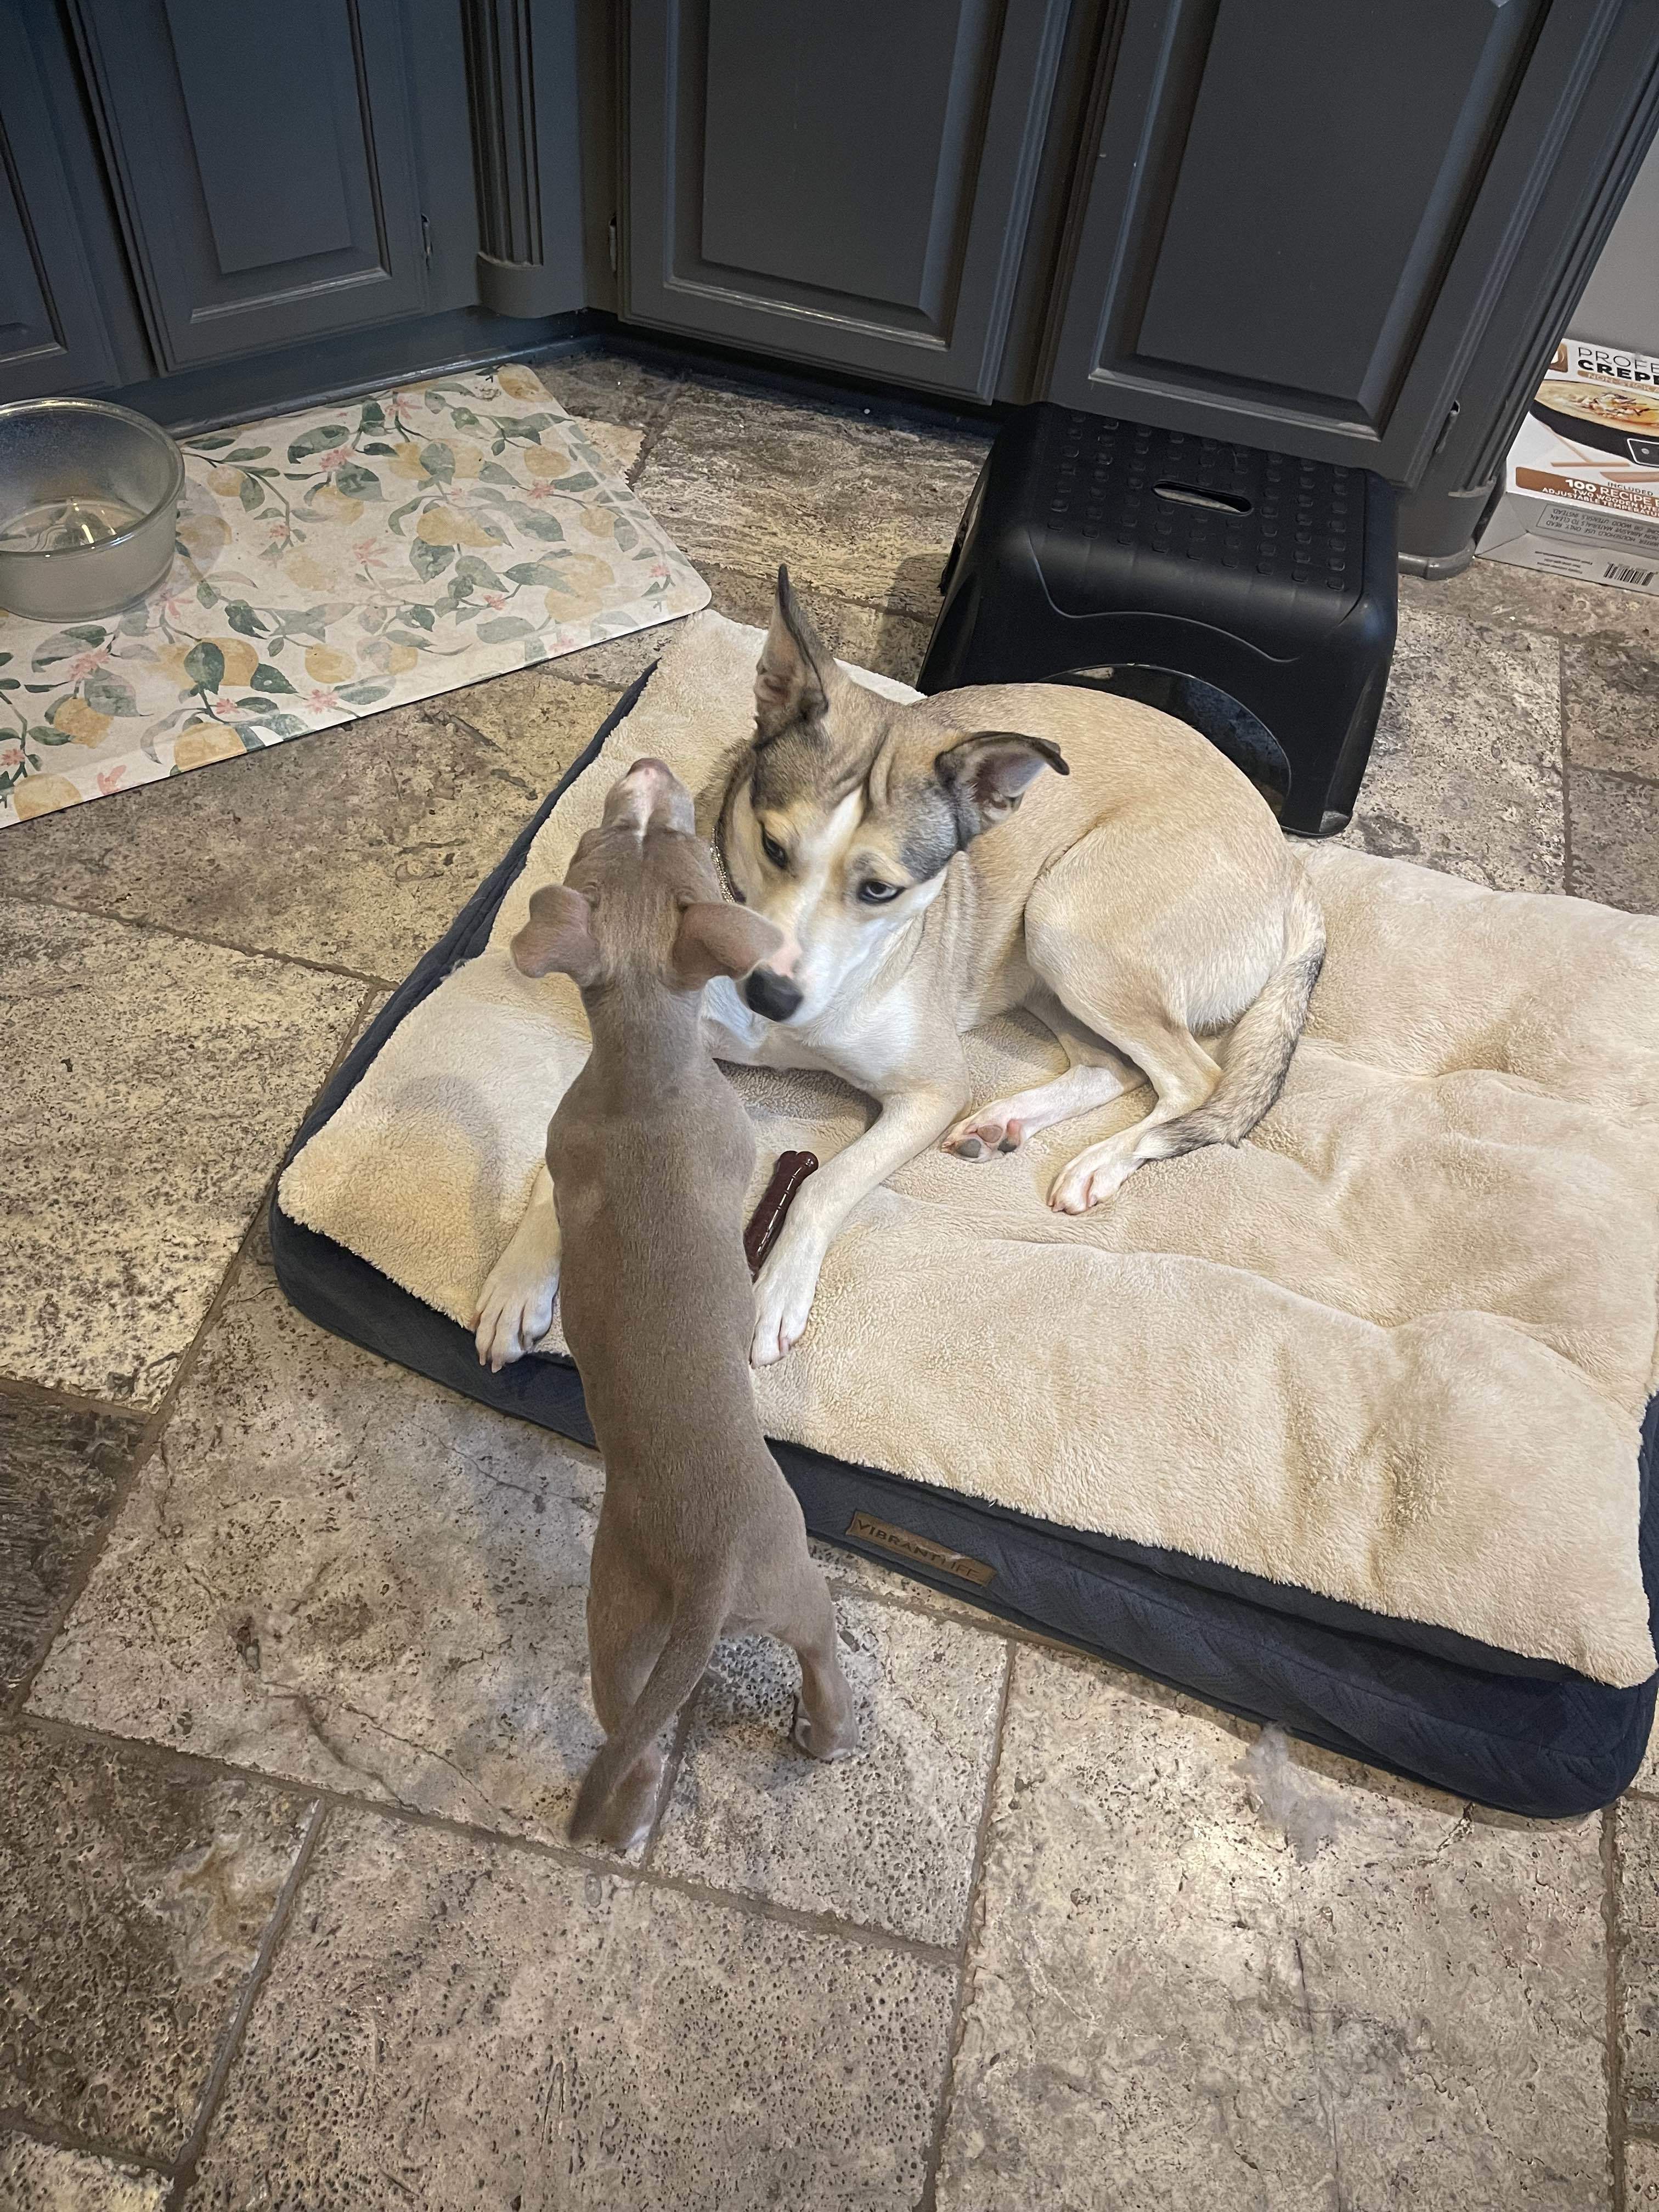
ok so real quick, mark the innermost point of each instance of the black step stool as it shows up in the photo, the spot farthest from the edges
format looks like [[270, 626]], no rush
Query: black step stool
[[1090, 543]]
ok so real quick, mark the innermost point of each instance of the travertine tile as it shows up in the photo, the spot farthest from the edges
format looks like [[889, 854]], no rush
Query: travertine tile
[[601, 385], [354, 846], [886, 1839], [620, 446], [860, 503], [133, 1897], [59, 1469], [1466, 773], [1641, 2177], [37, 2176], [1494, 593], [1610, 692], [888, 641], [1615, 838], [1173, 1999], [335, 1571], [851, 1570], [157, 1082], [1636, 1833], [452, 2024]]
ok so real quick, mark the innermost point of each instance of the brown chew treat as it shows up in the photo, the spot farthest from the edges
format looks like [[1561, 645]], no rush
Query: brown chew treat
[[764, 1222]]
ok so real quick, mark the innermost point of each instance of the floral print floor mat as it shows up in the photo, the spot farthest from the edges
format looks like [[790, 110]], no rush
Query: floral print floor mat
[[332, 563]]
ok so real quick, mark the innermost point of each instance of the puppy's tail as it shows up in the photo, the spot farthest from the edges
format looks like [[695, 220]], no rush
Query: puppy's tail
[[679, 1668], [1264, 1037]]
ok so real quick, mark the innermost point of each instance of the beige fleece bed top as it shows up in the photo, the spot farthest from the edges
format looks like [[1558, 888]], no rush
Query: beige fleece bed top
[[1394, 1349]]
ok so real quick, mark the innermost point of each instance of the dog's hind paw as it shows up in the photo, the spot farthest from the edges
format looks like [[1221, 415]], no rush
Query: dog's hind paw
[[981, 1135], [817, 1744]]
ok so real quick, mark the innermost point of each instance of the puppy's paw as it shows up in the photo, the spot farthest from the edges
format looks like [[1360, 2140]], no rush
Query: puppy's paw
[[982, 1135], [1089, 1179], [516, 1309], [826, 1745]]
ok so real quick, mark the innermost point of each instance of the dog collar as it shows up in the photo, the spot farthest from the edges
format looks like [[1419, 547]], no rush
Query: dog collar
[[718, 856]]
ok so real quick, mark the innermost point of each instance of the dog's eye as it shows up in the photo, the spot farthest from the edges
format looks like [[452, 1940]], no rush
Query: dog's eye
[[874, 892], [773, 852]]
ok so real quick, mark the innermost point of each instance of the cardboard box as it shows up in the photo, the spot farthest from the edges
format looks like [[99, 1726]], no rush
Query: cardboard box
[[1581, 489]]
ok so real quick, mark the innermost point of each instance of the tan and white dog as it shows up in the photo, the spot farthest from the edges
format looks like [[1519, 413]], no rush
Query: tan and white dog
[[931, 864]]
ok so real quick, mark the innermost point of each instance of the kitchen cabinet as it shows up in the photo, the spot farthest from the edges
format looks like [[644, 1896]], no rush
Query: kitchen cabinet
[[1295, 219], [55, 334], [845, 185], [263, 162]]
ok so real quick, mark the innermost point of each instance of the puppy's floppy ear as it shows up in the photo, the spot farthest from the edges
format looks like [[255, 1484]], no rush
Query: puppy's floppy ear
[[714, 938], [985, 775], [559, 935], [789, 684]]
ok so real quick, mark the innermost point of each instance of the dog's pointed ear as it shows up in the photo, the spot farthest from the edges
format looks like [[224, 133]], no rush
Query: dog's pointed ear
[[985, 775], [558, 936], [789, 676], [714, 940]]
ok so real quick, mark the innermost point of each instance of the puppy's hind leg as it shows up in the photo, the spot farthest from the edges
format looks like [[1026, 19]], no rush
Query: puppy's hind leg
[[626, 1628], [826, 1718]]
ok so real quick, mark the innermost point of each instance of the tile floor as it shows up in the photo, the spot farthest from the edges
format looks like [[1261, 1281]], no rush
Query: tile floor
[[292, 1694]]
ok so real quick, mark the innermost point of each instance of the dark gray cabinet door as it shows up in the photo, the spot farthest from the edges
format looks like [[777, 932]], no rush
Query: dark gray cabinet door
[[846, 184], [52, 335], [1298, 214], [264, 158]]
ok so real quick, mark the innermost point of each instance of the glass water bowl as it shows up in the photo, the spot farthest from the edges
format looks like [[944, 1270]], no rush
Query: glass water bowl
[[89, 502]]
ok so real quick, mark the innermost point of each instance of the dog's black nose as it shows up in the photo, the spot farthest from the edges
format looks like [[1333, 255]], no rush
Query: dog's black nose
[[771, 994]]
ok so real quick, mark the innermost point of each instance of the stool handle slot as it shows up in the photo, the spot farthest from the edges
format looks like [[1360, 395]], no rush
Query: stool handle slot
[[1221, 502]]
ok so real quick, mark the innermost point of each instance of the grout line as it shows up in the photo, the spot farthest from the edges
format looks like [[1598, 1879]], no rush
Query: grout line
[[652, 436], [28, 1391], [862, 1932], [1625, 776], [978, 1622], [1615, 2072], [55, 2137], [577, 1860], [230, 2042], [971, 1919], [155, 1422], [198, 936]]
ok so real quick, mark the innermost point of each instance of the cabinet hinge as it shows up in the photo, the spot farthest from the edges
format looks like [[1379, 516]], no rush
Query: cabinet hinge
[[426, 236], [613, 245]]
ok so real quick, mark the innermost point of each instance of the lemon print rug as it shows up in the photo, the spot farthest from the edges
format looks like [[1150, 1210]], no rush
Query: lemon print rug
[[335, 563]]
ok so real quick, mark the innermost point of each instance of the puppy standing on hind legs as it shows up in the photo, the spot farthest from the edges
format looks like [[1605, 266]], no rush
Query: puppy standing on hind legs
[[649, 1156]]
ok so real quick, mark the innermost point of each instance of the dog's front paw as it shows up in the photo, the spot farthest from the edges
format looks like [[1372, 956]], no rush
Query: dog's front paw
[[983, 1134], [783, 1302], [516, 1309]]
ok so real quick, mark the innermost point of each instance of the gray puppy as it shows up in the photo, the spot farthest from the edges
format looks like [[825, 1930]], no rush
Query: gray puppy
[[650, 1154]]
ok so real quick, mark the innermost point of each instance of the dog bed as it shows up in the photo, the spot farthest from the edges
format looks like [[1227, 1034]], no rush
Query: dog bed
[[1344, 1429]]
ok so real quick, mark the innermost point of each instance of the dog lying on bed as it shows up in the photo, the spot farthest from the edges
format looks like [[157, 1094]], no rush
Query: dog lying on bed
[[650, 1151], [933, 864]]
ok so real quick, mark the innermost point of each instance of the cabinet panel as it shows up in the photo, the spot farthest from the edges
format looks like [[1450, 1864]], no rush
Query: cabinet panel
[[1298, 214], [265, 160], [52, 336], [849, 185]]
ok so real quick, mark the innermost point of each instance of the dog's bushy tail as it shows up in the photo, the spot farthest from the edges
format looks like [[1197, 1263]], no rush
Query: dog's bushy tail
[[1264, 1037], [679, 1668]]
